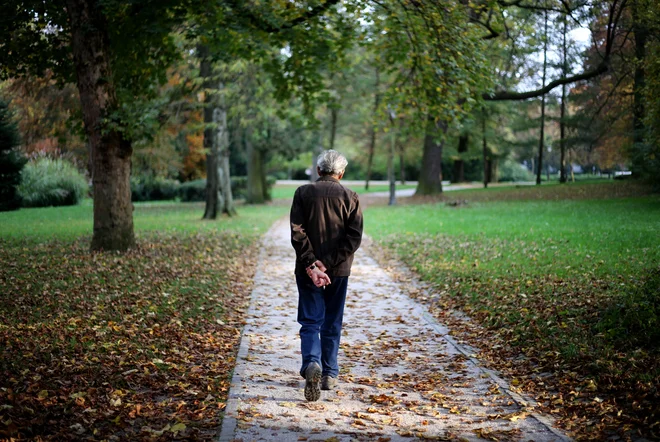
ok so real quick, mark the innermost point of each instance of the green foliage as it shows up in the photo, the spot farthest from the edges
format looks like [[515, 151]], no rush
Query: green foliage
[[11, 161], [510, 170], [153, 189], [196, 190], [436, 58], [51, 182], [193, 191], [634, 319], [646, 158]]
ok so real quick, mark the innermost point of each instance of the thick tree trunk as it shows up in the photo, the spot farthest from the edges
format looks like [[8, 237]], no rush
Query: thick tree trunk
[[210, 146], [372, 139], [110, 152], [545, 66], [430, 177], [459, 165], [255, 171], [222, 141], [562, 116]]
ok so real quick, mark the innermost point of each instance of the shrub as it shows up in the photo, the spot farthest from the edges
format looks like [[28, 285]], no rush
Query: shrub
[[510, 170], [196, 190], [153, 189], [193, 191], [51, 182], [11, 161], [635, 319]]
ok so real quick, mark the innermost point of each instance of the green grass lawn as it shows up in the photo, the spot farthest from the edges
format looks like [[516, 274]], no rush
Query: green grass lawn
[[69, 223], [604, 237], [572, 284]]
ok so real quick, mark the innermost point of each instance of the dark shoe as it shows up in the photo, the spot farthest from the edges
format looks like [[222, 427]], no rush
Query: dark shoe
[[328, 383], [312, 381]]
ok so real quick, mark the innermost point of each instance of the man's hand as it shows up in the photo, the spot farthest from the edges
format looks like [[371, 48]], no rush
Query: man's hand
[[318, 276], [321, 266]]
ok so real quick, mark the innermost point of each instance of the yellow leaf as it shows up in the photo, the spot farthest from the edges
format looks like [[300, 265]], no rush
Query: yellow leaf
[[178, 427]]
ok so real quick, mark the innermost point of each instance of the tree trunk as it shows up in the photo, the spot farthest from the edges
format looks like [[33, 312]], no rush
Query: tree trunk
[[545, 67], [494, 166], [641, 36], [315, 155], [390, 166], [487, 160], [255, 171], [402, 168], [110, 152], [372, 139], [210, 146], [562, 116], [430, 177], [221, 141], [333, 126], [459, 165]]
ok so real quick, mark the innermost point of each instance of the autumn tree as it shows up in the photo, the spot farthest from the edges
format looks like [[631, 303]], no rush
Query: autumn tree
[[118, 51]]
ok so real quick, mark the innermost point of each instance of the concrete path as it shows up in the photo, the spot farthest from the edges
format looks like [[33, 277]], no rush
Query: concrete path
[[404, 193], [402, 377]]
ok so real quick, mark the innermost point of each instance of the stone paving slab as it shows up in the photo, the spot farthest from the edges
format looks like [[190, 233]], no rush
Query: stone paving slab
[[402, 377]]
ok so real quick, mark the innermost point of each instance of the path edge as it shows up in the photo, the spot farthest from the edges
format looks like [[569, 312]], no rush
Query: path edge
[[369, 246], [229, 420]]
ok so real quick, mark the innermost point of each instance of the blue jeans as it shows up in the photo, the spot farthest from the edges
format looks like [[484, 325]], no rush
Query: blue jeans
[[320, 314]]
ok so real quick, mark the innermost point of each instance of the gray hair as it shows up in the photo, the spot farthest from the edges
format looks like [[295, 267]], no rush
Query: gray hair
[[331, 162]]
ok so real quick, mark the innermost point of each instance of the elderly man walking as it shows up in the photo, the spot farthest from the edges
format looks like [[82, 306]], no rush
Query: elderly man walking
[[326, 230]]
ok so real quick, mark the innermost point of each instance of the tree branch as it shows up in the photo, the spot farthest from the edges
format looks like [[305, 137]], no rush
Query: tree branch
[[612, 25], [509, 95], [269, 27]]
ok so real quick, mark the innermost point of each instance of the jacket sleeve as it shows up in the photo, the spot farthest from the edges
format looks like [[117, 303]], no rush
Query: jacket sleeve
[[299, 239], [349, 244]]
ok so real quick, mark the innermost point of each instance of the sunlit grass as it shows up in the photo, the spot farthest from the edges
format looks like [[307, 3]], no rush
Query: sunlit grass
[[567, 283], [69, 223]]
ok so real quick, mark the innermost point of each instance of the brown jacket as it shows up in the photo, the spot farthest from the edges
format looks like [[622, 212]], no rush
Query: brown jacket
[[326, 224]]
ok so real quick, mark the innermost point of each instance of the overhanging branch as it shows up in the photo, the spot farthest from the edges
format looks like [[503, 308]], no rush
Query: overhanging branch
[[271, 28], [510, 95]]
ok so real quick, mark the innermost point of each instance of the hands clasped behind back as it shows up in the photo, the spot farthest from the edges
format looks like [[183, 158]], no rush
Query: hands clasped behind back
[[317, 273]]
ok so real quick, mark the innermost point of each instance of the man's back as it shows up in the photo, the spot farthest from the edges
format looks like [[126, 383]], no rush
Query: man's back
[[328, 215]]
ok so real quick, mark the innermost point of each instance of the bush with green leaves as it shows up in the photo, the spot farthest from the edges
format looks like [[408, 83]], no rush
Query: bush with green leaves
[[192, 191], [153, 189], [11, 161], [196, 190], [511, 170], [51, 182]]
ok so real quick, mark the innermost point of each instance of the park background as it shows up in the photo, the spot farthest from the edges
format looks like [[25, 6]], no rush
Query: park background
[[528, 132]]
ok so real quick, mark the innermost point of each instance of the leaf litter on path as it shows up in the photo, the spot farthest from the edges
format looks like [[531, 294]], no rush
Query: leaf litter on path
[[400, 379]]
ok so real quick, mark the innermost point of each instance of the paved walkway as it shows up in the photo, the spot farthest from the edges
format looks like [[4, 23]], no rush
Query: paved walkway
[[402, 378]]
